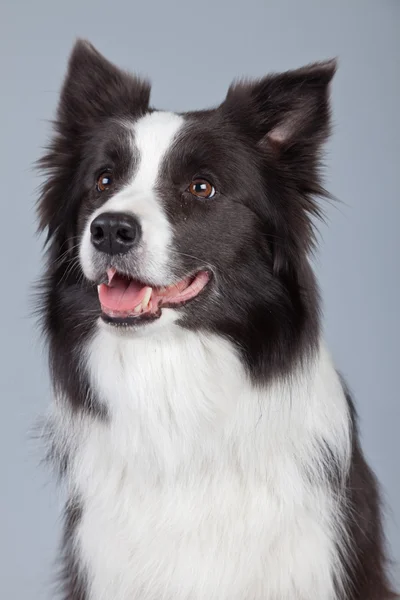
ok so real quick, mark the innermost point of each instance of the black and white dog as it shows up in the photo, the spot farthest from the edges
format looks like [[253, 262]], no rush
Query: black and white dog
[[208, 445]]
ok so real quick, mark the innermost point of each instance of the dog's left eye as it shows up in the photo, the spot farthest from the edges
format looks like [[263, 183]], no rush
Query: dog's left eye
[[201, 188], [104, 182]]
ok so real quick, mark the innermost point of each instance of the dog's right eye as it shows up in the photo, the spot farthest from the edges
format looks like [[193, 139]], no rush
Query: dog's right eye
[[201, 188], [104, 181]]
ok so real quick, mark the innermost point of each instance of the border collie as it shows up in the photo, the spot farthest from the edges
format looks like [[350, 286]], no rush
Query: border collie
[[208, 445]]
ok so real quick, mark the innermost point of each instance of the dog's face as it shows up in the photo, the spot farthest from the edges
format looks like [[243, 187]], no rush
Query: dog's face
[[200, 218], [167, 216]]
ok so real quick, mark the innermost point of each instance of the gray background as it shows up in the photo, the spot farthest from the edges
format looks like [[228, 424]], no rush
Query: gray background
[[192, 51]]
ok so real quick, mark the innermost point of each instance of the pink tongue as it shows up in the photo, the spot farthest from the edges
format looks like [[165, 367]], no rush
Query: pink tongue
[[122, 295]]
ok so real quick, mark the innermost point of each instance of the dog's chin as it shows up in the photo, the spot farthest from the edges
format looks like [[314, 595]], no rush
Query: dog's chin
[[128, 303], [122, 323]]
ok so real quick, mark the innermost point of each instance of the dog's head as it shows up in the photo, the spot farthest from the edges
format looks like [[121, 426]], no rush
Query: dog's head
[[201, 218]]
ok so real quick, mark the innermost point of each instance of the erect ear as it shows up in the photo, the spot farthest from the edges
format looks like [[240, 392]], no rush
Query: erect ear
[[287, 116], [284, 109], [94, 88]]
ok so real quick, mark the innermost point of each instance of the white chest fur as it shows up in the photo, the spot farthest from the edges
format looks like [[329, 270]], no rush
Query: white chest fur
[[200, 486]]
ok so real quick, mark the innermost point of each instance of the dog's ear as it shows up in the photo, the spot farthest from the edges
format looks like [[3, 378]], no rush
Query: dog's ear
[[286, 109], [287, 117], [94, 89]]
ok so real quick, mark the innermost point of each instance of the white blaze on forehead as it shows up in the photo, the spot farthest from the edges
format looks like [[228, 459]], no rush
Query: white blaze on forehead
[[153, 136]]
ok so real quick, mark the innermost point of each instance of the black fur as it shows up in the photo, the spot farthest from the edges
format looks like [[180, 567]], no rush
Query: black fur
[[72, 578], [261, 148], [365, 562]]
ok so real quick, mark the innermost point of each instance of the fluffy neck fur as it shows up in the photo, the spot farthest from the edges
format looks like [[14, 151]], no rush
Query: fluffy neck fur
[[190, 452]]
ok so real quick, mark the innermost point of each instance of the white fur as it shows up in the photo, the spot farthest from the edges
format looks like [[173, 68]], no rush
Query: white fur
[[200, 486], [153, 135]]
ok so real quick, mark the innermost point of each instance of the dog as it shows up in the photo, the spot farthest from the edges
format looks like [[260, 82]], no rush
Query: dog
[[208, 445]]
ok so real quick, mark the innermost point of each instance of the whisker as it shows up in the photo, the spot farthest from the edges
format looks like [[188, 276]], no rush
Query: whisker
[[61, 258], [185, 254], [70, 269], [197, 258]]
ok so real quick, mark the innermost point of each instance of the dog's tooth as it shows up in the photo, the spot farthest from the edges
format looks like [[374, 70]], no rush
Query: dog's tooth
[[146, 297], [110, 274], [137, 309]]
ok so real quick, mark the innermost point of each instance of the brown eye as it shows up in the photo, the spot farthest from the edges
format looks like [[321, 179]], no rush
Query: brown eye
[[104, 182], [201, 188]]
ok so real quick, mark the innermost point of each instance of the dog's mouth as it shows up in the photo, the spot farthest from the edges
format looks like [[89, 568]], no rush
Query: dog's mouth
[[126, 301]]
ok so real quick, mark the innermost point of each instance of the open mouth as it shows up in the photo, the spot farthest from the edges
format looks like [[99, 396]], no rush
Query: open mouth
[[127, 301]]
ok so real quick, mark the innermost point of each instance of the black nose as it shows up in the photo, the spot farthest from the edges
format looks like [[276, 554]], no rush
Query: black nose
[[115, 233]]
